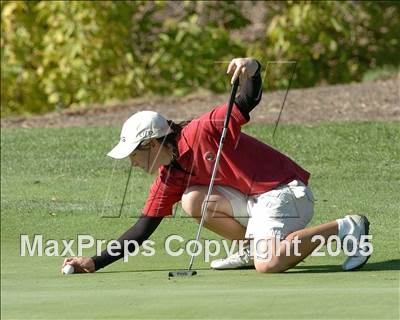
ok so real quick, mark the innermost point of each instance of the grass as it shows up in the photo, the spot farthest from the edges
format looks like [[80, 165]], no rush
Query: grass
[[57, 182]]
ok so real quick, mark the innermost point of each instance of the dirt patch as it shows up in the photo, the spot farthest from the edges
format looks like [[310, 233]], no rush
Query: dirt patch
[[371, 101]]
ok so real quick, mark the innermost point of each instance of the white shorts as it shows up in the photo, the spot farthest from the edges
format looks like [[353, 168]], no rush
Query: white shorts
[[275, 213]]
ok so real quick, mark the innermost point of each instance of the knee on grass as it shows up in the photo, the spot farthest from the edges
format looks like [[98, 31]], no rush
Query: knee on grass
[[273, 266]]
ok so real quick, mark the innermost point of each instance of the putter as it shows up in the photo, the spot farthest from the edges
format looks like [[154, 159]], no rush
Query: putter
[[189, 272]]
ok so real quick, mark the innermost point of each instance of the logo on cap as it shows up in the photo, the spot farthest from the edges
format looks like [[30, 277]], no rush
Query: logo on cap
[[146, 134]]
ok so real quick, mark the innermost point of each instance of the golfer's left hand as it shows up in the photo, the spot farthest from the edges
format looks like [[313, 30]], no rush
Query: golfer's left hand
[[243, 68]]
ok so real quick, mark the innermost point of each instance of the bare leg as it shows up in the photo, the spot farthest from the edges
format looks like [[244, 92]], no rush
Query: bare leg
[[219, 214], [224, 225], [283, 261]]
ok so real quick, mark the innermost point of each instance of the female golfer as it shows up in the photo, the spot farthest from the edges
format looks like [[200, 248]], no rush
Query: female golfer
[[259, 193]]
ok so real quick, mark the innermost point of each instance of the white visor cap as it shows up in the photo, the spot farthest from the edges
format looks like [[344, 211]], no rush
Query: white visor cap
[[141, 126]]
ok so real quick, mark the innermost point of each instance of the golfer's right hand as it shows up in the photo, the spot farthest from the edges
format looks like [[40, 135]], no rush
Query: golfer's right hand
[[80, 264], [242, 68]]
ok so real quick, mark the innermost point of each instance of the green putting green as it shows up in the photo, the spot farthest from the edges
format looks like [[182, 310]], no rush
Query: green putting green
[[58, 183]]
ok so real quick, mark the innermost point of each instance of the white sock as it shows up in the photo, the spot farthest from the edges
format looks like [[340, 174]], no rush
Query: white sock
[[344, 227]]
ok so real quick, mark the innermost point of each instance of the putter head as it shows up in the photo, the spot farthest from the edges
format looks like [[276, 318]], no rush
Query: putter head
[[182, 273]]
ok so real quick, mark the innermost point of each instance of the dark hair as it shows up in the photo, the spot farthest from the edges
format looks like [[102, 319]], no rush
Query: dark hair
[[171, 139]]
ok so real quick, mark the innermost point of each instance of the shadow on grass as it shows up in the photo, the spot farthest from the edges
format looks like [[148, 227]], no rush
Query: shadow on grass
[[152, 270], [370, 266]]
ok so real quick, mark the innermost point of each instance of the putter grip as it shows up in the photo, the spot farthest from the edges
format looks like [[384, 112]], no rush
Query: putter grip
[[231, 101]]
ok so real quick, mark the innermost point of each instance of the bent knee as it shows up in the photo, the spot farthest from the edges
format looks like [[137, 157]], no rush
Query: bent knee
[[192, 200]]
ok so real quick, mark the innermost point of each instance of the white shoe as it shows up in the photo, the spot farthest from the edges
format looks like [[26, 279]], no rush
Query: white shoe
[[360, 226], [235, 261]]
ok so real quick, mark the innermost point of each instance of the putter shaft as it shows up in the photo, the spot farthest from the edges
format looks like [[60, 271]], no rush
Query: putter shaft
[[215, 168]]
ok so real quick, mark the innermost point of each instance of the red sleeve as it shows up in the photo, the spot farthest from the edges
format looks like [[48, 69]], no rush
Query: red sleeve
[[217, 119], [162, 196]]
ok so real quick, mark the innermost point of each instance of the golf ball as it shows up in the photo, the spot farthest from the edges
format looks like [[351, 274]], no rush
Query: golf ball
[[68, 269]]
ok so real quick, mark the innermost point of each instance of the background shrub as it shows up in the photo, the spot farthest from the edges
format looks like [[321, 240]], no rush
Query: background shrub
[[57, 54]]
